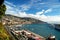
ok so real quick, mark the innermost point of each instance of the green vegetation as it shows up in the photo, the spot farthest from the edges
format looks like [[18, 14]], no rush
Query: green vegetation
[[3, 33], [2, 10]]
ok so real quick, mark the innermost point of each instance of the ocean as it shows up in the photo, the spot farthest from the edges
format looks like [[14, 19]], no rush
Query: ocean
[[43, 29]]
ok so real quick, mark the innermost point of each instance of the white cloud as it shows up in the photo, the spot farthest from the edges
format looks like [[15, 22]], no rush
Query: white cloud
[[50, 19], [49, 10], [8, 3], [24, 7], [10, 10], [38, 13], [8, 7], [36, 1], [22, 14], [42, 3], [53, 19], [44, 11]]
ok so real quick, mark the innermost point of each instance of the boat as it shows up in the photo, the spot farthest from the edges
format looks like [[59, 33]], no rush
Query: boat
[[57, 27], [51, 37]]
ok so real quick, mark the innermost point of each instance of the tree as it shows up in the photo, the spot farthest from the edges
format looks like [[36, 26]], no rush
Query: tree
[[2, 9], [1, 2]]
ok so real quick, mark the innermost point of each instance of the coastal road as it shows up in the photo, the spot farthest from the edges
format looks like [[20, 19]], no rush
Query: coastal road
[[8, 30]]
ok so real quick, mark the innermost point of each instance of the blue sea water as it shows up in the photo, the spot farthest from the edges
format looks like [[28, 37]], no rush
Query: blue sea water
[[43, 29]]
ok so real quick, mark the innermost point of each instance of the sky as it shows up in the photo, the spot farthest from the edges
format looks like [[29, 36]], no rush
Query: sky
[[45, 10]]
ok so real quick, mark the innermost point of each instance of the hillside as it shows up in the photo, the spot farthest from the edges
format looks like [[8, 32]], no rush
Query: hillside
[[10, 19]]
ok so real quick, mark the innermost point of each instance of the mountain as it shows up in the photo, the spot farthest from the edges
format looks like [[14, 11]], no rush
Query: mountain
[[20, 20]]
